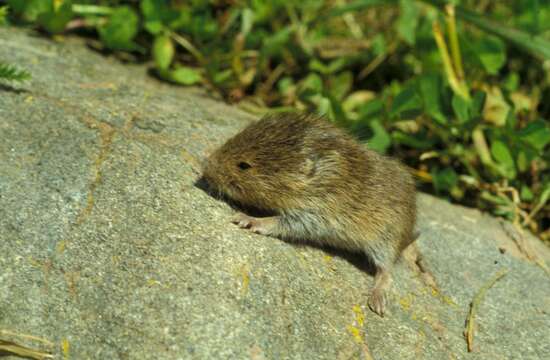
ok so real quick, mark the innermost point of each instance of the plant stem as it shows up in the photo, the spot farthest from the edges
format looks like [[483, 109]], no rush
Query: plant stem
[[453, 41], [187, 45], [458, 86]]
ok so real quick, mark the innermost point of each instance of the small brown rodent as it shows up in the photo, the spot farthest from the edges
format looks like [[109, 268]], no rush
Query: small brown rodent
[[322, 186]]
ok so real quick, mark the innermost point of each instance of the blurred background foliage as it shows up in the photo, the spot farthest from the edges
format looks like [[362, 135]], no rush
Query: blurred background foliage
[[459, 90]]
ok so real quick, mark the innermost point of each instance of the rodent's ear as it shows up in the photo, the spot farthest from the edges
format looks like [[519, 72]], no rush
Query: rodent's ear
[[243, 165], [310, 165]]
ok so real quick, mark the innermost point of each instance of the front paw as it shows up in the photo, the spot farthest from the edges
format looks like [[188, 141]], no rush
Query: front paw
[[262, 226]]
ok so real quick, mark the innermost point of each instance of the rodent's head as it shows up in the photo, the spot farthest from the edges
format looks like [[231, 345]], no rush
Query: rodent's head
[[262, 165]]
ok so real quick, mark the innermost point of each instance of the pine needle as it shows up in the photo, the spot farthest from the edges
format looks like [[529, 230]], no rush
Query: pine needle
[[470, 325], [11, 348], [12, 73]]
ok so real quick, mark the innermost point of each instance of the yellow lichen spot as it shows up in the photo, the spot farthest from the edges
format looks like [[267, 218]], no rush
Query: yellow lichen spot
[[447, 300], [406, 301], [35, 262], [65, 346], [356, 333], [359, 315], [61, 246], [425, 290], [245, 276], [152, 282]]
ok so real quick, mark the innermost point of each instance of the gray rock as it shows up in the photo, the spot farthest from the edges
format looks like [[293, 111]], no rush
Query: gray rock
[[109, 251]]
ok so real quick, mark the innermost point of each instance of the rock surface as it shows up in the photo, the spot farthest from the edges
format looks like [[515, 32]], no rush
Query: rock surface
[[109, 251]]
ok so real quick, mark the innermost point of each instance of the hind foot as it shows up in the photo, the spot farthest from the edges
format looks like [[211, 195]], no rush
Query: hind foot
[[377, 302], [377, 298]]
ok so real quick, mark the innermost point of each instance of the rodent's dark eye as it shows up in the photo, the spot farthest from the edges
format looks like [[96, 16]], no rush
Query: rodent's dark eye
[[244, 165]]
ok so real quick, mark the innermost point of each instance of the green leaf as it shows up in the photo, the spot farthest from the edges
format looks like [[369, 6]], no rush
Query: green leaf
[[222, 76], [158, 15], [408, 21], [496, 108], [478, 101], [544, 195], [371, 109], [522, 161], [273, 44], [331, 68], [182, 75], [3, 15], [511, 82], [312, 83], [31, 9], [536, 134], [491, 54], [380, 140], [55, 19], [247, 20], [430, 90], [324, 107], [379, 46], [285, 85], [444, 180], [121, 28], [154, 27], [340, 84], [163, 51], [526, 194], [406, 102], [501, 153], [461, 108], [418, 141], [18, 6]]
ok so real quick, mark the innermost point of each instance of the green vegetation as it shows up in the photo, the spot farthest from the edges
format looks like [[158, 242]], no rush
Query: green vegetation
[[459, 91], [3, 15], [10, 72]]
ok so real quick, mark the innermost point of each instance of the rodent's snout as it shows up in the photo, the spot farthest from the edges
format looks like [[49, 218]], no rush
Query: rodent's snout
[[215, 176], [208, 171]]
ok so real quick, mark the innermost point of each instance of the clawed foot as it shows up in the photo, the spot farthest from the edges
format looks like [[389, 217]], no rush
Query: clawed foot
[[377, 302], [261, 226]]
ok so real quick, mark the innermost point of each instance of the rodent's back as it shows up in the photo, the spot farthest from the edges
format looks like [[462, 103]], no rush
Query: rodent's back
[[360, 186]]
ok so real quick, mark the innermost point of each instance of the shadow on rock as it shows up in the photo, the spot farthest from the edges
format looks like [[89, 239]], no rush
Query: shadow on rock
[[360, 261], [7, 88]]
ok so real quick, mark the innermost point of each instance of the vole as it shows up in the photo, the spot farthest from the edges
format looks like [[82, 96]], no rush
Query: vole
[[322, 186]]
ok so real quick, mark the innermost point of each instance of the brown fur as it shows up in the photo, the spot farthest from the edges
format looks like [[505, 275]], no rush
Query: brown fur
[[323, 187]]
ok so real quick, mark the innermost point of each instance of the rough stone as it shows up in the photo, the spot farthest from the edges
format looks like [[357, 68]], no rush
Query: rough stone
[[109, 250]]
